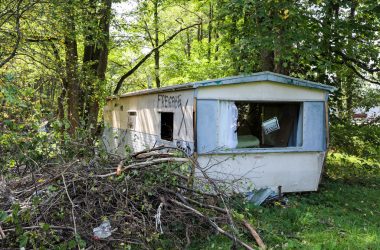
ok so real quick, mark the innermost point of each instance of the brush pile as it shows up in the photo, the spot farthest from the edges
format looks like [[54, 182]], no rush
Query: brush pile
[[148, 200]]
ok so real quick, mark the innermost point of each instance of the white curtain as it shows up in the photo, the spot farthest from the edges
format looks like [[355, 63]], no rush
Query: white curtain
[[228, 116]]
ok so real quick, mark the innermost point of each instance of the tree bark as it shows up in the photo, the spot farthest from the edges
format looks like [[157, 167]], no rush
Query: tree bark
[[200, 30], [216, 35], [210, 16], [188, 44], [267, 60], [156, 43], [73, 87], [71, 58], [95, 60], [18, 36]]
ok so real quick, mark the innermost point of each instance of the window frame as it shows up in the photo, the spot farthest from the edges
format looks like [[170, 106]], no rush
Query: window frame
[[299, 133], [132, 119]]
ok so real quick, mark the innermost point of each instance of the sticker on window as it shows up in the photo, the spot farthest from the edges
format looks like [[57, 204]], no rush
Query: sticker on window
[[270, 125]]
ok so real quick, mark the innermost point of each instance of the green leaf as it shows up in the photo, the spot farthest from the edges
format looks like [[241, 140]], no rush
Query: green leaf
[[45, 226], [3, 216], [23, 240]]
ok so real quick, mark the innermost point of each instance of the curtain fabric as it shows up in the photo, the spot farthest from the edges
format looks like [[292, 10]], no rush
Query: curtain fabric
[[228, 116]]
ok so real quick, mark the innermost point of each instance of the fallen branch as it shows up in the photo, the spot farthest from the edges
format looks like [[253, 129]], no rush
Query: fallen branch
[[129, 203], [213, 224], [144, 164], [48, 181], [39, 227], [2, 234], [254, 234], [72, 206]]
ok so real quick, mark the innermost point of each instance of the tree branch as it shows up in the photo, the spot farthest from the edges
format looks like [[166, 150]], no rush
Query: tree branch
[[18, 38], [357, 62], [361, 75], [131, 71]]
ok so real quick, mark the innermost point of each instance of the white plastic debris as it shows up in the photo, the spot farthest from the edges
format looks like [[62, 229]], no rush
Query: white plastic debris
[[103, 231], [270, 125]]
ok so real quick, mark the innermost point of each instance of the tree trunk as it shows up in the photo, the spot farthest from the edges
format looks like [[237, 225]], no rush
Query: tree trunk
[[216, 35], [278, 53], [95, 60], [61, 103], [267, 60], [73, 87], [266, 52], [156, 44], [71, 56], [200, 30], [210, 16], [188, 44]]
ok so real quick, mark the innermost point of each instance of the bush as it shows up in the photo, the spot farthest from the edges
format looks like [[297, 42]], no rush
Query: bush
[[354, 151], [362, 141]]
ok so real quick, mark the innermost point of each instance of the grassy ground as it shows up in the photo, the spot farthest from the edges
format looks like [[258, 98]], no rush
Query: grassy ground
[[341, 215]]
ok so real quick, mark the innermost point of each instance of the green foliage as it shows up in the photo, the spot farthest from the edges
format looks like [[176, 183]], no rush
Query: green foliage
[[42, 237], [359, 140], [344, 166], [355, 151]]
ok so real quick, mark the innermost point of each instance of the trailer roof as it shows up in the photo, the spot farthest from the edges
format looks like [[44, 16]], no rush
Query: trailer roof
[[256, 77]]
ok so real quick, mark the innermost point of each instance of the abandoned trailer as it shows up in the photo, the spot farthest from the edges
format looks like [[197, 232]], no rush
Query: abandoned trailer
[[266, 128]]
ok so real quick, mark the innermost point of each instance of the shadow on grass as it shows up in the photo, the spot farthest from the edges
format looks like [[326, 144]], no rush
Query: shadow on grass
[[343, 214]]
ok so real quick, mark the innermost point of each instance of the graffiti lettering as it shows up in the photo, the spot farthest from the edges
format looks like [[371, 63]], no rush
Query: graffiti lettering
[[184, 146], [166, 101], [183, 119]]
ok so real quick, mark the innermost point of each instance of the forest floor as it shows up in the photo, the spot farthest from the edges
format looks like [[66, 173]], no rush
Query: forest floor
[[341, 215]]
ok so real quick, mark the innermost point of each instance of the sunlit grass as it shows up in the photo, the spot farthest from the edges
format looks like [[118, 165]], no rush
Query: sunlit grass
[[341, 215]]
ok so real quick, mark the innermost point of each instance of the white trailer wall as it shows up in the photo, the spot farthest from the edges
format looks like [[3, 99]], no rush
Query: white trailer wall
[[135, 121], [294, 168]]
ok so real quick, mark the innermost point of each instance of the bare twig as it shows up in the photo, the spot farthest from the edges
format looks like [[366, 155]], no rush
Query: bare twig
[[48, 181], [144, 164], [213, 224], [39, 227], [2, 234], [72, 207]]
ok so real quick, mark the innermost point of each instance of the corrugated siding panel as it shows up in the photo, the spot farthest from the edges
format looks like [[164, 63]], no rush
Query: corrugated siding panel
[[314, 130], [207, 118]]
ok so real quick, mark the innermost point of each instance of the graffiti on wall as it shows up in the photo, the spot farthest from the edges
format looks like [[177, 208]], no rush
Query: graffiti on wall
[[183, 119], [169, 101], [174, 102], [185, 146]]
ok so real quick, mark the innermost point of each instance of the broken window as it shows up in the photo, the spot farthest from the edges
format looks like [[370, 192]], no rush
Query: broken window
[[167, 121], [261, 124], [132, 119]]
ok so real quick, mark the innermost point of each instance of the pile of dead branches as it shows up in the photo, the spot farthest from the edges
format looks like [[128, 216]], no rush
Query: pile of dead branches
[[147, 200]]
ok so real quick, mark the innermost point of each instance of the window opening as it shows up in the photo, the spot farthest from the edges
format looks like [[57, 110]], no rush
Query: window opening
[[132, 119], [261, 125], [167, 121]]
